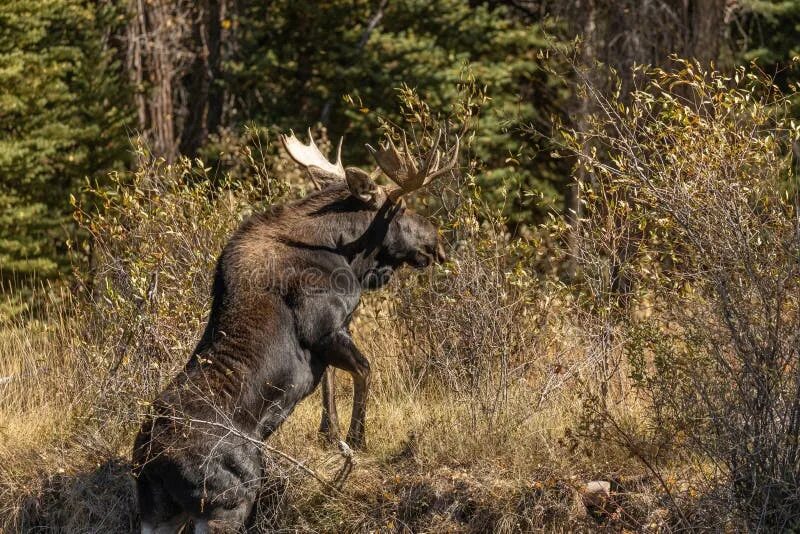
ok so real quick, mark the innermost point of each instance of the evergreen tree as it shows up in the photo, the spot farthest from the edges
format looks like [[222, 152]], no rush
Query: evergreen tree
[[768, 31], [297, 61], [62, 118]]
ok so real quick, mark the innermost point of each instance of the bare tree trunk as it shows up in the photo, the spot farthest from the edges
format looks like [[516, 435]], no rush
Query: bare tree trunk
[[572, 204], [203, 92], [216, 91], [163, 75], [706, 23], [155, 59], [135, 35], [195, 84]]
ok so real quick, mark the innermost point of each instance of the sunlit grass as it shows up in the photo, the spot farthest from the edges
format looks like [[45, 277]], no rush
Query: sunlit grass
[[419, 433]]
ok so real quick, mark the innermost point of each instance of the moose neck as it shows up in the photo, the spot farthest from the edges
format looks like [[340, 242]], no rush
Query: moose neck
[[333, 220]]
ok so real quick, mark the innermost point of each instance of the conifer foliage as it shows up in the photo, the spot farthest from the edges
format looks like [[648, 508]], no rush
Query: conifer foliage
[[63, 114]]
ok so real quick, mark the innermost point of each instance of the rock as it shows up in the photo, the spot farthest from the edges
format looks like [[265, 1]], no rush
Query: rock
[[596, 498]]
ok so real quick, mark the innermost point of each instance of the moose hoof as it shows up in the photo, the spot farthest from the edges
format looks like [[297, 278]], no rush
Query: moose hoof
[[329, 433], [328, 437]]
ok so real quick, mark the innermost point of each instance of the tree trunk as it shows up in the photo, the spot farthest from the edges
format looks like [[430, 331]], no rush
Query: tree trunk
[[203, 92], [572, 201], [155, 60], [706, 23], [216, 91]]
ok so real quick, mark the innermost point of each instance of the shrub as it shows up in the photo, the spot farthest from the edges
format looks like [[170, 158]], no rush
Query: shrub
[[688, 249]]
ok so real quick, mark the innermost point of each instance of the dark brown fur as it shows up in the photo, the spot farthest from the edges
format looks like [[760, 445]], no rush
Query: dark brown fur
[[285, 287]]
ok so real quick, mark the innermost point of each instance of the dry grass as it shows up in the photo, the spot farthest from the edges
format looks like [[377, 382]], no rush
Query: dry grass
[[67, 426], [668, 368], [473, 420]]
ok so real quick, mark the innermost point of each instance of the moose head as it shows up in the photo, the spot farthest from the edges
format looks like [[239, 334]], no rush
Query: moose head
[[396, 235], [389, 234]]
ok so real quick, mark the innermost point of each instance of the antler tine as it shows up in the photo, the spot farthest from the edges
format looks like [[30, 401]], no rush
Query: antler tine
[[413, 170], [339, 152], [448, 166], [433, 155], [405, 144], [407, 171], [433, 163], [390, 161], [310, 157]]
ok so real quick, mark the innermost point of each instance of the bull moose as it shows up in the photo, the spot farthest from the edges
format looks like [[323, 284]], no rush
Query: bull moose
[[285, 287]]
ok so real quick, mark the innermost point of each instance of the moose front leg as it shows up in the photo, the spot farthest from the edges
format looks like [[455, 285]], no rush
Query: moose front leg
[[329, 426], [342, 353]]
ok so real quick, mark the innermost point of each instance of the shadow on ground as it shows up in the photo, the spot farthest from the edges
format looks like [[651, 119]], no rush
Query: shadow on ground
[[103, 500], [94, 501]]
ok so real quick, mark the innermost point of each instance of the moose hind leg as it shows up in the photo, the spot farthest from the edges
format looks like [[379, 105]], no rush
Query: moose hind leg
[[226, 521], [231, 486], [167, 526], [342, 353], [329, 425], [355, 434], [159, 513]]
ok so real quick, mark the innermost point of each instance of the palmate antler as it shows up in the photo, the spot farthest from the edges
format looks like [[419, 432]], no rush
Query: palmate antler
[[309, 156], [408, 172]]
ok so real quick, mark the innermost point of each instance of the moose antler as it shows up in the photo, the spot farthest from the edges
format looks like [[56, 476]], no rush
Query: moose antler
[[408, 172], [311, 158]]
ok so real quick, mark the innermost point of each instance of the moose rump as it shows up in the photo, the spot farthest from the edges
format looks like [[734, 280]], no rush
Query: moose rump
[[198, 455]]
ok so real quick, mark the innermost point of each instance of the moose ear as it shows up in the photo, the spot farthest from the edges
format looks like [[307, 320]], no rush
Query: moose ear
[[362, 186]]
